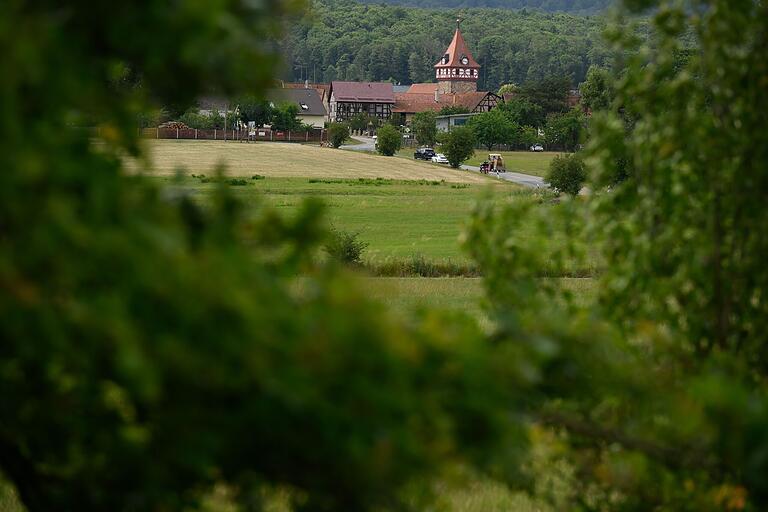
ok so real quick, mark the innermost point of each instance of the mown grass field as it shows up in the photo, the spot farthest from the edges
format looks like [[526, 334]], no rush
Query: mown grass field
[[288, 160]]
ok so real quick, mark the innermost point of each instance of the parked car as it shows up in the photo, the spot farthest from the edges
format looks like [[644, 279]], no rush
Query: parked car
[[424, 154], [439, 158], [537, 147]]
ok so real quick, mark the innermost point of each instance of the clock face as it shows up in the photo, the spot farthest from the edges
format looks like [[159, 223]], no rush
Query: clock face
[[464, 60]]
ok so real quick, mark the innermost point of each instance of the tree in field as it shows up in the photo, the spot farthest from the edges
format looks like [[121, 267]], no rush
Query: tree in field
[[508, 89], [254, 109], [529, 136], [565, 131], [337, 134], [361, 122], [493, 128], [548, 93], [389, 140], [597, 90], [459, 145], [567, 174], [523, 112], [424, 128], [284, 117]]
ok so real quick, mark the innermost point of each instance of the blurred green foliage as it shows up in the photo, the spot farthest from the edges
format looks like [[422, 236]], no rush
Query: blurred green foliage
[[661, 389], [152, 349], [155, 353]]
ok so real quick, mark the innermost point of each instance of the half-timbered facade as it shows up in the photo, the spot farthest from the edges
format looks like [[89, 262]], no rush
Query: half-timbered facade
[[348, 99], [429, 98]]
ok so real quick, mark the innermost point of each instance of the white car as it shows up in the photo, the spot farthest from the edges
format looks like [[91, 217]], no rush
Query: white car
[[537, 147], [439, 159]]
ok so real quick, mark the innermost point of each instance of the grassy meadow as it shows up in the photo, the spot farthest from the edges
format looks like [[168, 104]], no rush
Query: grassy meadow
[[526, 162], [401, 209], [454, 293], [398, 219]]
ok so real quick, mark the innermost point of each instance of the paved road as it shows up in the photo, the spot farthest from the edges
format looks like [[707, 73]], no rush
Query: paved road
[[367, 144], [525, 180]]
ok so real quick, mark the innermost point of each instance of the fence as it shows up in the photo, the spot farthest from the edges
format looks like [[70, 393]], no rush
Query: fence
[[263, 134]]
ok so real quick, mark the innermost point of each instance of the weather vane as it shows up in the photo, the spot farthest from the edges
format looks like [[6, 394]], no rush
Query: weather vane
[[458, 22]]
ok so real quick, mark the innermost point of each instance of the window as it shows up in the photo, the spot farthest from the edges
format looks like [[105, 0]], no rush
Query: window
[[304, 106]]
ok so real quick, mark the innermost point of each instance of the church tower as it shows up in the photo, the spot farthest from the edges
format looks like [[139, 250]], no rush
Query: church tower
[[457, 71]]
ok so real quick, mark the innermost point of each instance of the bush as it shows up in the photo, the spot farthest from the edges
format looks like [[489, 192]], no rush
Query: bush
[[424, 128], [389, 140], [459, 145], [337, 134], [567, 174], [346, 247]]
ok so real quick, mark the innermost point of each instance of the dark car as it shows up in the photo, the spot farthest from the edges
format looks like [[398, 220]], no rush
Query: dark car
[[424, 154]]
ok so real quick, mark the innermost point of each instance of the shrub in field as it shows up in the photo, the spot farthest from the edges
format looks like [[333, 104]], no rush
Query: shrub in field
[[346, 247], [337, 134], [418, 266], [389, 140], [459, 145], [567, 174]]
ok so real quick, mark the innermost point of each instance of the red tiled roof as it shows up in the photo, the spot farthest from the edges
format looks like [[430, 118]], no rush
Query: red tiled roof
[[409, 103], [378, 92], [422, 89], [455, 51]]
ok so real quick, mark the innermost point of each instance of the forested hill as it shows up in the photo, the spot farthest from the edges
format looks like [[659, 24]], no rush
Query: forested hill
[[345, 40], [573, 6]]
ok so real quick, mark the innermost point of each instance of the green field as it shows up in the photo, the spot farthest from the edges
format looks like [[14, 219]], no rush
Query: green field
[[398, 219], [458, 294], [526, 162]]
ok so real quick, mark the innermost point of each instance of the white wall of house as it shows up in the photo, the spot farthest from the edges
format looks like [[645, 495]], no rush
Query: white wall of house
[[316, 121], [446, 123]]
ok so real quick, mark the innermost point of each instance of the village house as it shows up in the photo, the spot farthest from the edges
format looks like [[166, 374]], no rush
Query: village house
[[347, 99], [311, 110]]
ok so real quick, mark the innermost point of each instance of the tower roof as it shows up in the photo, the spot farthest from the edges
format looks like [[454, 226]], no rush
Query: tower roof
[[456, 50]]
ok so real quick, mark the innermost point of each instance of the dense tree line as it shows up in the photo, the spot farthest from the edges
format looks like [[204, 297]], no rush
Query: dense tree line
[[344, 40], [577, 6]]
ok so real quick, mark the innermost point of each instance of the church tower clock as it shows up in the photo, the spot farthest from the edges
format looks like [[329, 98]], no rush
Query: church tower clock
[[457, 71]]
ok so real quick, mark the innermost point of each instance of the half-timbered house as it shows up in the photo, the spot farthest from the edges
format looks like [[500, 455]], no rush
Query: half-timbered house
[[347, 99]]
